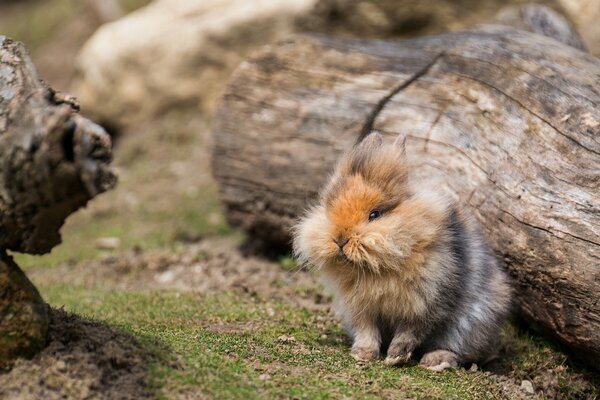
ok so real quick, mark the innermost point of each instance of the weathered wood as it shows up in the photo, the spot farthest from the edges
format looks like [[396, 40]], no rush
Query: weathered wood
[[23, 314], [52, 161], [505, 120]]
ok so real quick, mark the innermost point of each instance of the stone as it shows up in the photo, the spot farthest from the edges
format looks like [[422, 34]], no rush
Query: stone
[[527, 387], [23, 314], [172, 53], [108, 243]]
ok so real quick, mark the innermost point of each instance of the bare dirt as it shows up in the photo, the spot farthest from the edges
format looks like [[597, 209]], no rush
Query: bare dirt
[[83, 360], [209, 266]]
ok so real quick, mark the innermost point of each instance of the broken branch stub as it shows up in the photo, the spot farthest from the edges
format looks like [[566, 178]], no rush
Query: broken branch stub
[[52, 160]]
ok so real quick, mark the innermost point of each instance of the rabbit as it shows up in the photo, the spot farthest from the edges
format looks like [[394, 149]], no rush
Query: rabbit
[[408, 267]]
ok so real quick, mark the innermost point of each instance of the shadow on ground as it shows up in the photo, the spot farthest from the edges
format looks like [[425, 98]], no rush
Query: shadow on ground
[[84, 359]]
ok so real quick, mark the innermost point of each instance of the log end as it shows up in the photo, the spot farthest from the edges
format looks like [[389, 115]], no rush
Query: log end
[[52, 160]]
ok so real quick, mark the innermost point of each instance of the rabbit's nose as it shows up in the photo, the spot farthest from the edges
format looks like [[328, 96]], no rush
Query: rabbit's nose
[[341, 241]]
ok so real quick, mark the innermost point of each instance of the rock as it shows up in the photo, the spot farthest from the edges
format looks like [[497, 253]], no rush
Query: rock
[[108, 243], [106, 10], [172, 52], [23, 314], [527, 387], [265, 377], [286, 339]]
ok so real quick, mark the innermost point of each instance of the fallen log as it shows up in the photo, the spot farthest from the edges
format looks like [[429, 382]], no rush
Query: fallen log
[[505, 120], [52, 161]]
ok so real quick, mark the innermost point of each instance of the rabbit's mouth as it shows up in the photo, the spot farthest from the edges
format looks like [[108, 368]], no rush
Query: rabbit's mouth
[[341, 257]]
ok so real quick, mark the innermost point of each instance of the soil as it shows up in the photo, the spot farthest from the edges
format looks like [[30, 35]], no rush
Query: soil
[[83, 360], [209, 266]]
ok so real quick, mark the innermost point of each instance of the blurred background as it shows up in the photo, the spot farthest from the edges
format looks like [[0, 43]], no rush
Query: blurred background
[[149, 257], [152, 72]]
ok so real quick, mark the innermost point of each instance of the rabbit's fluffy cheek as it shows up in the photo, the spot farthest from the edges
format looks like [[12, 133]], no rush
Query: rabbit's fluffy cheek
[[312, 240], [379, 250]]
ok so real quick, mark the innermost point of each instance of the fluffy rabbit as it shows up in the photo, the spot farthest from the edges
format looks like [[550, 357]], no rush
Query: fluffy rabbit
[[409, 269]]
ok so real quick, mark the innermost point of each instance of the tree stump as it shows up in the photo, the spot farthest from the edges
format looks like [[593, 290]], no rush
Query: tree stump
[[505, 120], [52, 162]]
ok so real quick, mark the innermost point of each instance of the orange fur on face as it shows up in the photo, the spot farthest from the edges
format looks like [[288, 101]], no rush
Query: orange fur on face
[[404, 230], [391, 249], [392, 262], [349, 212]]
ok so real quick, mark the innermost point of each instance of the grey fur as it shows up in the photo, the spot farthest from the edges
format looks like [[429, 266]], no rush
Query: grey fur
[[474, 301]]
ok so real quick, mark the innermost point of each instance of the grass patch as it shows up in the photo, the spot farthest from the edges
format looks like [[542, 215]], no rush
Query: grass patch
[[33, 22], [140, 227], [235, 346]]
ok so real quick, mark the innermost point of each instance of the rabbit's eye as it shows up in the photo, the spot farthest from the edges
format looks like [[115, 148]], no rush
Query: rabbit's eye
[[374, 214]]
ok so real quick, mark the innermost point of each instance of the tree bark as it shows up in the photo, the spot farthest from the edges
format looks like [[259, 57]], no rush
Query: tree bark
[[505, 120], [52, 161], [23, 314]]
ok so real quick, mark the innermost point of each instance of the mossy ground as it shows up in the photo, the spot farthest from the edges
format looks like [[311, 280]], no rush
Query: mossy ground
[[235, 345]]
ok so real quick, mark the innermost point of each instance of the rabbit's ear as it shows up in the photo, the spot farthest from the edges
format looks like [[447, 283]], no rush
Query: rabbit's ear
[[361, 155], [400, 143], [371, 141]]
